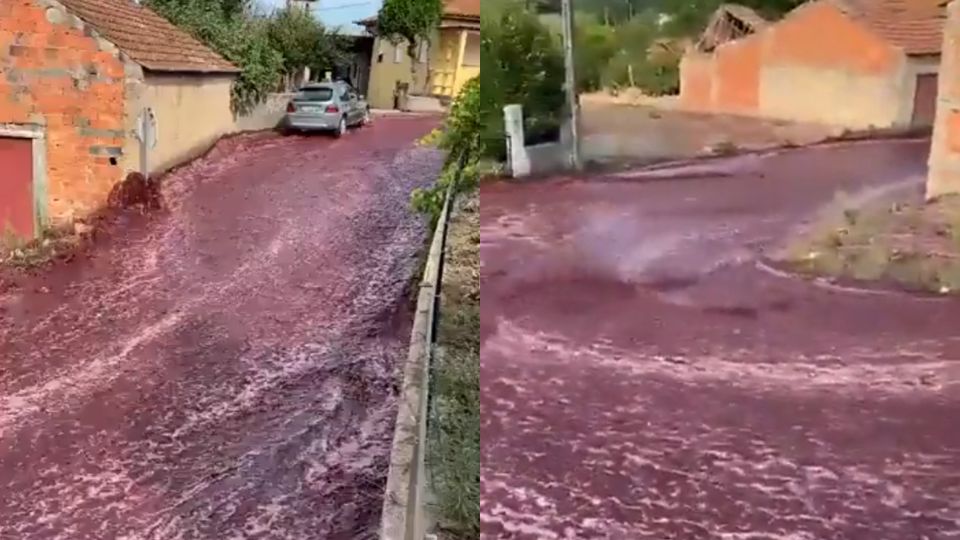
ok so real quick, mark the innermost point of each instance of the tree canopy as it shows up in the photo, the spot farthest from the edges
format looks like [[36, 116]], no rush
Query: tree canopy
[[681, 17], [410, 20], [265, 48]]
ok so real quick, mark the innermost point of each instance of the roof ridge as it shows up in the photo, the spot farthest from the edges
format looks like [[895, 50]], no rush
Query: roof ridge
[[148, 38]]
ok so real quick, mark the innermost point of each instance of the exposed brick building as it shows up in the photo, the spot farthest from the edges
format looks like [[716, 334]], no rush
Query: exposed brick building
[[851, 63], [74, 77]]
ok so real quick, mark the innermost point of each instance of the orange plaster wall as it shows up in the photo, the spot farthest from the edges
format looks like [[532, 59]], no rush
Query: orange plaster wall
[[696, 82], [819, 35], [738, 75]]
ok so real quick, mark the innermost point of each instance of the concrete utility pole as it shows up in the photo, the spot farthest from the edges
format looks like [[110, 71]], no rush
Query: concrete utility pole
[[573, 103]]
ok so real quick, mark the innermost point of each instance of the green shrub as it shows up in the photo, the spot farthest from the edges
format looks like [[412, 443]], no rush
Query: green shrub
[[461, 139], [521, 63], [596, 46], [413, 21], [623, 60], [303, 41], [264, 48]]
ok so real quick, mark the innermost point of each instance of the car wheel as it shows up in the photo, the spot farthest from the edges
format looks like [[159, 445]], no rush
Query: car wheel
[[341, 128]]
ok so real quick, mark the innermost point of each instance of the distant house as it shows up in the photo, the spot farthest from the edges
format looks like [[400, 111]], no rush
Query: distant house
[[78, 75], [850, 63], [454, 57], [356, 70], [305, 5]]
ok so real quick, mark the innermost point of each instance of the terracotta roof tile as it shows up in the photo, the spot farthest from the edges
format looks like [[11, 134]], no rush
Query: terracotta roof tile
[[914, 25], [147, 38], [463, 8]]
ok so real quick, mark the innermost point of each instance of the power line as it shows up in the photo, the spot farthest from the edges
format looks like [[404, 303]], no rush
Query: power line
[[344, 6]]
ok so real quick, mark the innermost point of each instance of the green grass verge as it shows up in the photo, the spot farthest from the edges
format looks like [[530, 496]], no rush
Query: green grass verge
[[914, 245], [454, 450]]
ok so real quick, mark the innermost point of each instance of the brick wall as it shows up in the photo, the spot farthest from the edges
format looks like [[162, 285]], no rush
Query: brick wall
[[696, 81], [815, 65], [57, 73], [738, 75], [818, 34], [820, 65]]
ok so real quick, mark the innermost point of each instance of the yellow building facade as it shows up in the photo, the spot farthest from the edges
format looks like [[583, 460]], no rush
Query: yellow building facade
[[442, 67]]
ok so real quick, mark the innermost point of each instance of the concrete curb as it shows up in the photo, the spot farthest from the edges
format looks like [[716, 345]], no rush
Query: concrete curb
[[403, 516], [617, 164], [826, 283], [411, 114]]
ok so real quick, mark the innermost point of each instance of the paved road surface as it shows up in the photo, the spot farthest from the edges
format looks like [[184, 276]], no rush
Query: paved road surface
[[643, 379], [228, 370]]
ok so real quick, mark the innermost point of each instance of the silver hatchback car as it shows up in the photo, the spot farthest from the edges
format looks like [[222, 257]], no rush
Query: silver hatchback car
[[327, 106]]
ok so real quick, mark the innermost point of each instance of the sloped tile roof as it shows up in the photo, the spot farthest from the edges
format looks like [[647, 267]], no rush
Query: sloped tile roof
[[463, 8], [914, 25], [147, 38]]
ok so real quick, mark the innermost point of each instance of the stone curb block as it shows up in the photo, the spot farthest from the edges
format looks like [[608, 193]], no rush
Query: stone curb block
[[404, 500]]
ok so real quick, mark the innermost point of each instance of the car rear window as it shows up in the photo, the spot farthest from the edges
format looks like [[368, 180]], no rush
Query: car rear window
[[315, 94]]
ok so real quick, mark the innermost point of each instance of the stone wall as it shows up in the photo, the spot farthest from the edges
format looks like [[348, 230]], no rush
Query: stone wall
[[61, 78], [267, 115]]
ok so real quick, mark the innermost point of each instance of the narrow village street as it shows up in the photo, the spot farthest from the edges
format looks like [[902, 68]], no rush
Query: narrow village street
[[226, 369], [645, 377]]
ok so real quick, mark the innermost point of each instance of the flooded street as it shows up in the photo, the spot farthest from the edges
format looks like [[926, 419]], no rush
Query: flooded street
[[227, 370], [646, 377]]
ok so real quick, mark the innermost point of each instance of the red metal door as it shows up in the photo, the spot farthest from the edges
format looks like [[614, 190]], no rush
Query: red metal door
[[925, 100], [16, 187]]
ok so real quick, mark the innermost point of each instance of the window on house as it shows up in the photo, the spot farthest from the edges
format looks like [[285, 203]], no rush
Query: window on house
[[422, 52], [471, 56], [315, 93], [380, 51]]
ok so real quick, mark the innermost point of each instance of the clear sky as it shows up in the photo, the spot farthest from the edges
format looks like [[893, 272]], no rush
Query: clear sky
[[337, 13]]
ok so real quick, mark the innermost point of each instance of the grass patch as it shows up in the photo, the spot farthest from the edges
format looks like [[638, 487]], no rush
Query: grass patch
[[16, 252], [431, 139], [454, 450], [913, 245], [724, 148], [489, 168]]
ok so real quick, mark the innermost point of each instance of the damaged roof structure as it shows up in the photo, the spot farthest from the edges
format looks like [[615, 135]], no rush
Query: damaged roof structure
[[875, 61], [729, 22]]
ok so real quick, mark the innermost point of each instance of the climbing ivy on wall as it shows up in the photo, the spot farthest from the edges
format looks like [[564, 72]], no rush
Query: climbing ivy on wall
[[413, 21]]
